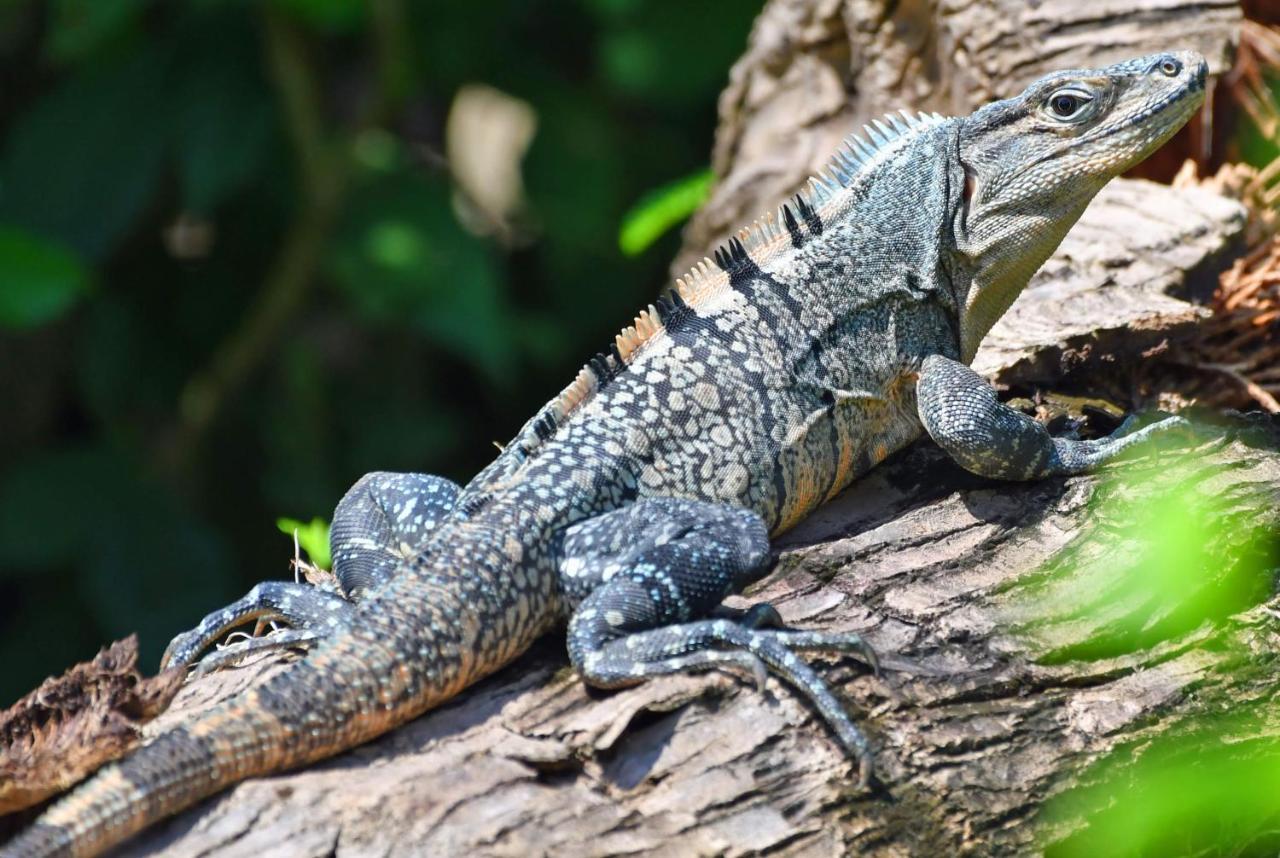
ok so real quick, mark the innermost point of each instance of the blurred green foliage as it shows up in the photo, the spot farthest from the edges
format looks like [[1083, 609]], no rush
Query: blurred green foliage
[[1205, 791], [1177, 572], [237, 271], [1175, 580]]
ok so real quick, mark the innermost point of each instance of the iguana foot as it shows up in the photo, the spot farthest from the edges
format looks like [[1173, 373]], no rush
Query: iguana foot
[[960, 411], [381, 519], [644, 579], [302, 606]]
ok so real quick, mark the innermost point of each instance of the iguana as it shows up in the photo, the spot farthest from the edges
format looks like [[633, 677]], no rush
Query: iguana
[[814, 344]]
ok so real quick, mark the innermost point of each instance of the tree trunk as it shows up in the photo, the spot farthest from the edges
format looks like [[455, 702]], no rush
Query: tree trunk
[[1019, 642]]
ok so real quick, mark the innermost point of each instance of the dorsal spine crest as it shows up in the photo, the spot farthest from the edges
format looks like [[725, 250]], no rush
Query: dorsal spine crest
[[731, 262]]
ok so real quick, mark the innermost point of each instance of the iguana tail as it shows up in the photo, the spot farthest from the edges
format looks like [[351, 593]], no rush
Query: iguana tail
[[293, 719], [416, 643]]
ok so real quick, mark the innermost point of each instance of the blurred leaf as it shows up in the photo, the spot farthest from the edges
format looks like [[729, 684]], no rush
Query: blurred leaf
[[300, 471], [402, 259], [80, 165], [109, 358], [141, 558], [151, 565], [1257, 148], [1212, 792], [662, 209], [81, 26], [632, 60], [378, 150], [611, 9], [42, 279], [1175, 581], [335, 16], [313, 537], [423, 431]]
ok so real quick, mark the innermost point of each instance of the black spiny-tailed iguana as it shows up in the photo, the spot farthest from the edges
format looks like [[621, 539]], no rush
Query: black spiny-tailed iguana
[[817, 342]]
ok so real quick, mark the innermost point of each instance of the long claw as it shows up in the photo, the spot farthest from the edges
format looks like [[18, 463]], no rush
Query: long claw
[[761, 674], [231, 654], [869, 656], [865, 770]]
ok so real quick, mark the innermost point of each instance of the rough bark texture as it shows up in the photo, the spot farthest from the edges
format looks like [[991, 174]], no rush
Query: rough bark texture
[[72, 724], [988, 705]]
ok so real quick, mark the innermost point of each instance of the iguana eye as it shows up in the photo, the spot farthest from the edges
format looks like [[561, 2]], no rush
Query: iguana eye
[[1068, 104]]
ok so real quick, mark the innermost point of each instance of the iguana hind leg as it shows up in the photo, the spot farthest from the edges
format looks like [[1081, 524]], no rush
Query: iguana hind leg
[[381, 519], [960, 411], [644, 581]]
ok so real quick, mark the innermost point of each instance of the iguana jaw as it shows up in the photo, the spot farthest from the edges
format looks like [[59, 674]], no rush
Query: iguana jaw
[[1032, 164]]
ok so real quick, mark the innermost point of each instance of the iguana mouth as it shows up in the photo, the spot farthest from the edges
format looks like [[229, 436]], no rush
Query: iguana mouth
[[1183, 94]]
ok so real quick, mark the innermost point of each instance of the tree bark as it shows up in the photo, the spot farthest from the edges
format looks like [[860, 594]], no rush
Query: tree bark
[[999, 609]]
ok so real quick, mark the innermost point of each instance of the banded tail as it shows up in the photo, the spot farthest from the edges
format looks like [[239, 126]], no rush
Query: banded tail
[[419, 641]]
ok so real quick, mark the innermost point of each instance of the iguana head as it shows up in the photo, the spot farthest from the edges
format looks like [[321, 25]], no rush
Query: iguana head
[[1033, 162]]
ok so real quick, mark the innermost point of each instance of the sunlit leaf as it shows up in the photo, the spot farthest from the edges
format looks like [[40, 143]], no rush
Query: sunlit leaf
[[39, 279], [1091, 604], [661, 210], [313, 538]]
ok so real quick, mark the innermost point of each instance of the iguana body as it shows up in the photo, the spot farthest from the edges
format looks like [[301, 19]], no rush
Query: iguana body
[[816, 343]]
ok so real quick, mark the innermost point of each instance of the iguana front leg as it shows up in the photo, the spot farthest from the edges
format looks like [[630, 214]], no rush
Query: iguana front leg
[[381, 519], [645, 580], [960, 411]]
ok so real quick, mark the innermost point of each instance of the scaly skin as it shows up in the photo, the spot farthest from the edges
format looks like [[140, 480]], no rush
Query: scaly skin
[[630, 505]]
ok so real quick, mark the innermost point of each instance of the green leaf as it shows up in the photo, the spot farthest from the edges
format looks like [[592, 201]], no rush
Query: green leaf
[[49, 503], [313, 537], [1081, 609], [662, 209], [80, 26], [41, 279]]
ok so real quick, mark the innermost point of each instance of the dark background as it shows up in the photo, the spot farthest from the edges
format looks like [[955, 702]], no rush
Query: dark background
[[238, 268]]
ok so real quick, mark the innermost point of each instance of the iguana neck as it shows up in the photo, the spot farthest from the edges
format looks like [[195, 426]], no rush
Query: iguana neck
[[994, 260]]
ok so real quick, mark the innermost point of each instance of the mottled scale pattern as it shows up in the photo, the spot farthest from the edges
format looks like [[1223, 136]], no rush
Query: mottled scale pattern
[[805, 350]]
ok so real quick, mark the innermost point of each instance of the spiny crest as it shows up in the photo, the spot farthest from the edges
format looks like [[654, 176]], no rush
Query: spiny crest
[[798, 219], [859, 151], [794, 222]]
